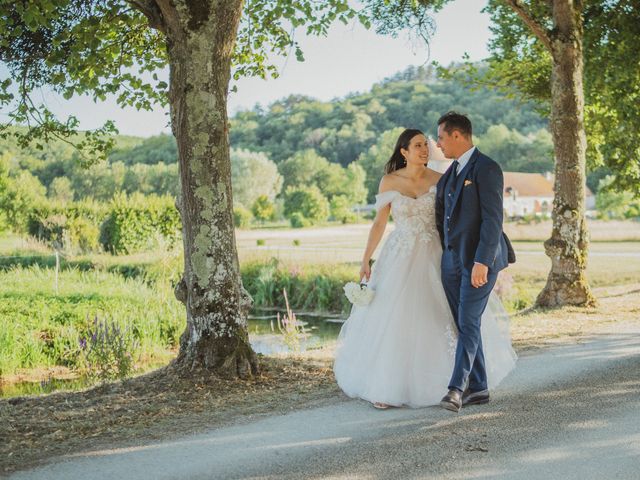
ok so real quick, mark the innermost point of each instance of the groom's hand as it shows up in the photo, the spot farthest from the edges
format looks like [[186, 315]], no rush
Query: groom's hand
[[479, 275]]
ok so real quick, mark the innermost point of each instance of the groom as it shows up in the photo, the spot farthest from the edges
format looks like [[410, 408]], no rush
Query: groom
[[469, 220]]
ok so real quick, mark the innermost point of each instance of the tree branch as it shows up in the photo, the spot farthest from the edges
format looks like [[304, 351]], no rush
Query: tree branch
[[536, 27], [150, 10]]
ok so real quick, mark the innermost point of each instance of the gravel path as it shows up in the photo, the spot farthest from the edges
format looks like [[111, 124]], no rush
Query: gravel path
[[568, 412]]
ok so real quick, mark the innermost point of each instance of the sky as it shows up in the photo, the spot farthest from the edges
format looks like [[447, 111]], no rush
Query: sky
[[350, 59]]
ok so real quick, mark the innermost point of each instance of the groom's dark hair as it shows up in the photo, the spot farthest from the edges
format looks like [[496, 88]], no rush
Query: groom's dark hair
[[456, 121]]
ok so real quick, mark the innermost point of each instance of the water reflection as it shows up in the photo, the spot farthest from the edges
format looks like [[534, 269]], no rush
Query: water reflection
[[265, 337]]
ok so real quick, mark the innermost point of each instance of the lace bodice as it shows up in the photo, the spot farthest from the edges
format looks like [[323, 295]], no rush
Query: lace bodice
[[414, 218]]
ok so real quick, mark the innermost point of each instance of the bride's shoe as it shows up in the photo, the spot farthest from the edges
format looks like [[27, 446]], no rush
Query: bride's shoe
[[381, 406]]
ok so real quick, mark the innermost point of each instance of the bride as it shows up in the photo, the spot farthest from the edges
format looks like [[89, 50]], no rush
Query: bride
[[399, 349]]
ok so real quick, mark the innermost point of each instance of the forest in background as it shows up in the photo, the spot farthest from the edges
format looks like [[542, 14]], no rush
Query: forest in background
[[298, 159]]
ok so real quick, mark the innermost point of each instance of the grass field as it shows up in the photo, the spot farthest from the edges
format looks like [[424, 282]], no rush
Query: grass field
[[41, 328]]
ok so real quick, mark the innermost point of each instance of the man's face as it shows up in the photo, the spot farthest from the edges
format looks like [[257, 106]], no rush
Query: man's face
[[445, 142]]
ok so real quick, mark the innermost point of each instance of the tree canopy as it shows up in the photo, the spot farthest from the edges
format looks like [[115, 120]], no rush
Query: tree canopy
[[106, 48], [149, 165], [611, 77]]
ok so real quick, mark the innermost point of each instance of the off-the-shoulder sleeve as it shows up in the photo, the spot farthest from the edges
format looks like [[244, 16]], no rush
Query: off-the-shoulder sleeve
[[385, 198]]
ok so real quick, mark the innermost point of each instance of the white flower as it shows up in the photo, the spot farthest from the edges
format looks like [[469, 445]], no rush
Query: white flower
[[358, 294]]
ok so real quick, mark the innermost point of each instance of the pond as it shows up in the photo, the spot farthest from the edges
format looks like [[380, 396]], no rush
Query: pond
[[264, 336]]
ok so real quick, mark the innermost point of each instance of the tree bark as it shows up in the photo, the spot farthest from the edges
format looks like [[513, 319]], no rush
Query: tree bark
[[200, 40], [567, 247]]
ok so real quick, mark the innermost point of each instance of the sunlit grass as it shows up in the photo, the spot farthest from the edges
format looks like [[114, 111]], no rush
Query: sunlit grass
[[41, 327]]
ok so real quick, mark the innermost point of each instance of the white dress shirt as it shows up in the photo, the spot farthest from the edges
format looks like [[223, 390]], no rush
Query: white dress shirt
[[464, 159]]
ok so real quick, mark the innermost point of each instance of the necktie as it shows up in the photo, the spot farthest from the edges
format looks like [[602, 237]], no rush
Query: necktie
[[454, 165]]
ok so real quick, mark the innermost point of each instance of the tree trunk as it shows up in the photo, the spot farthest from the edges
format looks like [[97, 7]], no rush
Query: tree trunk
[[200, 40], [567, 247]]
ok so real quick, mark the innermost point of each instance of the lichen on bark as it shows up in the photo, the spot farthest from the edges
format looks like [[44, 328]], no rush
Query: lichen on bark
[[567, 248], [200, 45]]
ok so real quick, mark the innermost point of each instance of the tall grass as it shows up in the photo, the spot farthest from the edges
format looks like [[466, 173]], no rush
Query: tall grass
[[310, 287], [39, 328]]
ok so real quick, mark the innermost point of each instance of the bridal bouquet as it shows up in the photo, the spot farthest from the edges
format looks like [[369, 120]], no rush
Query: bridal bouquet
[[358, 294]]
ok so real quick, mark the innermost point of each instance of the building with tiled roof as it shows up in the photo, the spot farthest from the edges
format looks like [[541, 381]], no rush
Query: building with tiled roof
[[524, 193], [532, 194]]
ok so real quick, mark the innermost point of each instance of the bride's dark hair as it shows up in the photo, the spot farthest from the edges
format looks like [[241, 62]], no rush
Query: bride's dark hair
[[397, 161]]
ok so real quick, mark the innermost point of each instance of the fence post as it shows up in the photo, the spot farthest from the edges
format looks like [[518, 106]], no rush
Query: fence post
[[57, 269]]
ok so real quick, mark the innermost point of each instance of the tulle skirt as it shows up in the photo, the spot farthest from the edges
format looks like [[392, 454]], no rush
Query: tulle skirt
[[400, 348]]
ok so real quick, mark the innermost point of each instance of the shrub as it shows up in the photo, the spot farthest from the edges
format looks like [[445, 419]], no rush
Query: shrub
[[263, 209], [298, 220], [108, 350], [74, 226], [241, 217], [341, 210], [18, 196], [84, 234], [308, 201], [309, 287], [139, 223]]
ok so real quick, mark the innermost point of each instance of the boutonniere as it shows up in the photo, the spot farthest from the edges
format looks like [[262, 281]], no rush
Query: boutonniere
[[467, 183]]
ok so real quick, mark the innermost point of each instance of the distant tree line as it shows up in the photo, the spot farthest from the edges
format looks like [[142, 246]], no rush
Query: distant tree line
[[299, 158]]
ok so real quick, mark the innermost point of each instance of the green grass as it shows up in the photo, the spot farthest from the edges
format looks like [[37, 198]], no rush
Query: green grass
[[42, 328], [310, 288], [39, 328]]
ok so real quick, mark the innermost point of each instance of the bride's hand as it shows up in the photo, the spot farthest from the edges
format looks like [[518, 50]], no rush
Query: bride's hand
[[365, 271]]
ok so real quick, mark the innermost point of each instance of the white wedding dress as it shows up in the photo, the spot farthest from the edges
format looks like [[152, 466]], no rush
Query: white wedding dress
[[400, 348]]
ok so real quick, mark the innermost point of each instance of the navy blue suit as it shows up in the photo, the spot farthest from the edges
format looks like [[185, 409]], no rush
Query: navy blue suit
[[469, 220]]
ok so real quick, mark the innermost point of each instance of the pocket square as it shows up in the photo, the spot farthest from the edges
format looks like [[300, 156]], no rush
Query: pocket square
[[467, 183]]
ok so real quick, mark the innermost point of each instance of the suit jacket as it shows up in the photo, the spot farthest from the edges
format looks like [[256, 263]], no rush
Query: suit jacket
[[469, 213]]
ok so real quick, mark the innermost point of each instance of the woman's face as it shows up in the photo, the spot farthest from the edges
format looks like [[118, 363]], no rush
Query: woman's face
[[418, 151]]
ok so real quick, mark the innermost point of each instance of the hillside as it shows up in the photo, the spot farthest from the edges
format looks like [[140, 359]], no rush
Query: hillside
[[358, 128]]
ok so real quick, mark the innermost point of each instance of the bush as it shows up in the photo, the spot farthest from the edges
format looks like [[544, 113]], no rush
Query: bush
[[71, 227], [341, 210], [263, 209], [108, 350], [633, 211], [307, 201], [18, 196], [139, 223], [84, 235], [299, 221], [241, 217]]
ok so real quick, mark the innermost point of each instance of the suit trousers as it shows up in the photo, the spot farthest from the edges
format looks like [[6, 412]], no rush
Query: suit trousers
[[467, 305]]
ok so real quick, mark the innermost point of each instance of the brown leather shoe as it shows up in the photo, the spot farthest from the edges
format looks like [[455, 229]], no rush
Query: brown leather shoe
[[452, 401], [475, 398]]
